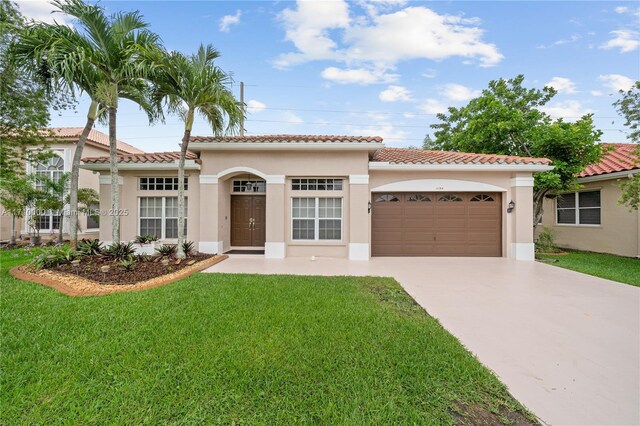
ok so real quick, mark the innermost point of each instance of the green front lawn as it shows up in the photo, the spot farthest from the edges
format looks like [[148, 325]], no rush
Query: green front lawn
[[237, 349], [609, 266]]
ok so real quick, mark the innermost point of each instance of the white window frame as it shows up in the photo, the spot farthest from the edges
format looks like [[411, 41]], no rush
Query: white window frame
[[316, 220], [163, 218], [257, 180], [334, 179], [577, 209], [33, 169], [174, 182]]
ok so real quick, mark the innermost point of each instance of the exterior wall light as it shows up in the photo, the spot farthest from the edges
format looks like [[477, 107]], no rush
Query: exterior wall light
[[511, 206], [369, 207]]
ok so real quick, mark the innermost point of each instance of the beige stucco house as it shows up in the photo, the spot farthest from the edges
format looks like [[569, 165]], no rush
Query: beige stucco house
[[335, 196], [63, 146], [591, 218]]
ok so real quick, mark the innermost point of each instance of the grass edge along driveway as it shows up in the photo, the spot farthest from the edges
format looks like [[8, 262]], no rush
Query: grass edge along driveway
[[609, 266], [250, 349]]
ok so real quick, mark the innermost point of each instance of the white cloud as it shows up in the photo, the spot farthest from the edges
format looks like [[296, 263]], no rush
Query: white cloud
[[430, 73], [387, 131], [357, 76], [395, 94], [228, 20], [324, 30], [458, 92], [569, 110], [621, 9], [616, 82], [373, 7], [292, 118], [572, 39], [433, 106], [42, 11], [254, 106], [625, 40], [562, 85], [596, 93]]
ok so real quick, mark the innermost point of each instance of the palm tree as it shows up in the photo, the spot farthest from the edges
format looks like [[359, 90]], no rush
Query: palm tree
[[101, 61], [190, 85]]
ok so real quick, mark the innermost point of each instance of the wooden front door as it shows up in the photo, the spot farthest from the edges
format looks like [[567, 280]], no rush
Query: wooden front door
[[248, 220]]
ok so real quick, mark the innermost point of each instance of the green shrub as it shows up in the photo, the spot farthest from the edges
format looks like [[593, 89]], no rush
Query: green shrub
[[50, 257], [120, 251], [188, 247], [128, 263], [90, 247], [546, 240], [167, 250]]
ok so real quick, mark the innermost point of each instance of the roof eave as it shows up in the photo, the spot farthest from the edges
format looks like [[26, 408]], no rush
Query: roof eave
[[608, 176], [189, 165], [379, 165]]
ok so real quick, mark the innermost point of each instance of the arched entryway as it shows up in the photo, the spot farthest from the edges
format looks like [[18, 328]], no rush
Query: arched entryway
[[247, 211]]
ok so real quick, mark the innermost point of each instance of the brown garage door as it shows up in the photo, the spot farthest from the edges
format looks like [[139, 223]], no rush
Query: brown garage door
[[436, 224]]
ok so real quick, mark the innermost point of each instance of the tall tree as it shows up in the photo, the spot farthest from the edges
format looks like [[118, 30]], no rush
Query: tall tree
[[508, 119], [190, 85], [629, 107], [102, 59]]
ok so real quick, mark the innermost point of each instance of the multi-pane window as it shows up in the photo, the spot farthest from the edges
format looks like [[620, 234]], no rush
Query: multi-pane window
[[246, 185], [159, 217], [52, 169], [316, 218], [160, 183], [314, 184], [93, 220], [578, 208]]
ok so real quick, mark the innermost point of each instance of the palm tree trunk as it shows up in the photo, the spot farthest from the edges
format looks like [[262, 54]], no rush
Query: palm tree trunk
[[75, 174], [115, 184], [183, 153]]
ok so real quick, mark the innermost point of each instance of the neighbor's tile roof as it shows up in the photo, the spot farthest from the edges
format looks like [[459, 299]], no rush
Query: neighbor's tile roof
[[287, 139], [94, 136], [151, 157], [421, 156], [619, 158]]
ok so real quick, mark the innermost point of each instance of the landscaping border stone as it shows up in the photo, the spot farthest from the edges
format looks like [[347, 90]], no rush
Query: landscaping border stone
[[73, 285]]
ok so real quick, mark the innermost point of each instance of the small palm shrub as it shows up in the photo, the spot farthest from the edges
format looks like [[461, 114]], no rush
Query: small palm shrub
[[90, 247], [120, 251], [167, 250], [50, 257], [128, 263], [188, 247], [546, 240], [145, 239]]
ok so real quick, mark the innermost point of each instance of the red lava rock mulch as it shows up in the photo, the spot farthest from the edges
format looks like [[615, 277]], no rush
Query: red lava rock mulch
[[76, 285]]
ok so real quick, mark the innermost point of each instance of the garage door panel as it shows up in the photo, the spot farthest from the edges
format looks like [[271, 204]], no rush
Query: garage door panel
[[437, 224]]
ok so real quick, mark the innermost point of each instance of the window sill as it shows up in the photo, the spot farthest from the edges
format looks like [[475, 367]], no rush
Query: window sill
[[335, 243], [573, 225]]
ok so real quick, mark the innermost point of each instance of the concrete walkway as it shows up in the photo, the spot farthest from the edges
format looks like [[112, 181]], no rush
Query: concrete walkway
[[566, 344]]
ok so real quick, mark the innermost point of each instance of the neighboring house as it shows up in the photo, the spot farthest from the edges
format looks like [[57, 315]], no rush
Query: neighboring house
[[334, 196], [64, 145], [591, 218]]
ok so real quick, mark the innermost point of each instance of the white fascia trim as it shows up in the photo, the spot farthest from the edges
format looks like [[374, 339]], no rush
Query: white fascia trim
[[212, 247], [208, 179], [523, 251], [522, 181], [359, 179], [106, 180], [437, 185], [284, 146], [608, 176], [274, 250], [460, 167], [275, 179], [140, 166], [358, 251]]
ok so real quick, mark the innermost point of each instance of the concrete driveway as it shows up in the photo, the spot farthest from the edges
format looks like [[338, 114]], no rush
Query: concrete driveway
[[566, 344]]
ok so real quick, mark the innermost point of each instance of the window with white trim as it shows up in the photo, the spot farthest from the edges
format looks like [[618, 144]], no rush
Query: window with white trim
[[315, 218], [316, 184], [249, 185], [160, 183], [578, 208], [52, 169], [159, 217]]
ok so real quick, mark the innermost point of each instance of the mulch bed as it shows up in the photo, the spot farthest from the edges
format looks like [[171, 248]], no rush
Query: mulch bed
[[83, 282]]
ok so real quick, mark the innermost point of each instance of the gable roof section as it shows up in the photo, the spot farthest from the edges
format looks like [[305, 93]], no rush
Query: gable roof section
[[95, 136], [267, 139], [152, 157], [619, 158], [421, 156]]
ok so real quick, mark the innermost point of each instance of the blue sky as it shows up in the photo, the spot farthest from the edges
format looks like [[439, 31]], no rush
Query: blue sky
[[387, 67]]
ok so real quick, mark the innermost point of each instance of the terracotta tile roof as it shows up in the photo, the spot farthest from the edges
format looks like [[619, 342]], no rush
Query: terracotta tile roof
[[151, 157], [619, 158], [94, 136], [421, 156], [287, 139]]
